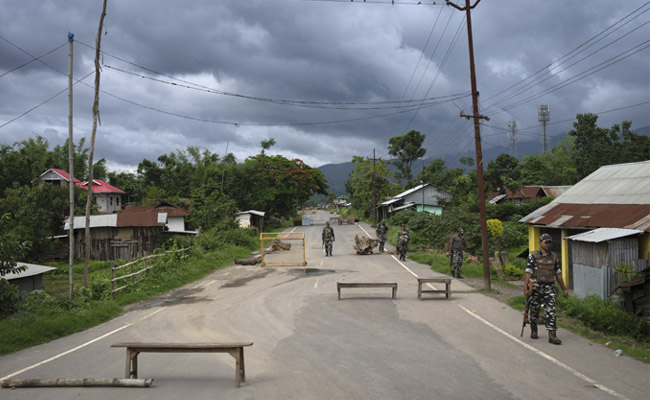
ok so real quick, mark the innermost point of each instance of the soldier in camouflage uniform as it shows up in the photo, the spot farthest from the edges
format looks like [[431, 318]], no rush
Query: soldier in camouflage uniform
[[456, 244], [328, 239], [381, 234], [403, 238], [543, 268]]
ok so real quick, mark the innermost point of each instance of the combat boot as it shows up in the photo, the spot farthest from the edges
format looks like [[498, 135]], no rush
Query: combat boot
[[552, 338], [533, 331]]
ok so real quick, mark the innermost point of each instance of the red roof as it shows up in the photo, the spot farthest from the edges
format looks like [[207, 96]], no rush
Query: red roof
[[64, 175], [563, 215], [100, 186]]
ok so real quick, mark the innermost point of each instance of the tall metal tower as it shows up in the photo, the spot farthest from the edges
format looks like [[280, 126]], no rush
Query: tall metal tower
[[512, 137], [544, 115]]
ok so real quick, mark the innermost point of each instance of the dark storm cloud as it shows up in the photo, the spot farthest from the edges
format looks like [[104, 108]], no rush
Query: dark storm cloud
[[311, 51]]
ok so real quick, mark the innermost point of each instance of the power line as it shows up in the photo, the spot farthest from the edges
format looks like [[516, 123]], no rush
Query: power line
[[389, 2], [44, 102], [546, 67], [584, 74], [553, 73], [34, 58]]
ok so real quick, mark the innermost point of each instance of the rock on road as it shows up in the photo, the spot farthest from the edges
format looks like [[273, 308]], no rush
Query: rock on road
[[309, 345]]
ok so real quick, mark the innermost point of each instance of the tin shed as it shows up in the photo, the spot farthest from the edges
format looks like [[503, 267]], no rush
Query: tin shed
[[595, 255]]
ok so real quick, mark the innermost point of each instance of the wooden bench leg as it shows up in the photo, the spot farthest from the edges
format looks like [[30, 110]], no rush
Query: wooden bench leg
[[394, 292], [419, 290], [240, 373], [338, 289], [131, 370]]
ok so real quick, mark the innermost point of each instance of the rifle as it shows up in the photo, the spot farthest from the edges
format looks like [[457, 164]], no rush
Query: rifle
[[527, 307]]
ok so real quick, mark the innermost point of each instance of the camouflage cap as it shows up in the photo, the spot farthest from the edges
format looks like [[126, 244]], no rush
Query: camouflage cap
[[545, 238]]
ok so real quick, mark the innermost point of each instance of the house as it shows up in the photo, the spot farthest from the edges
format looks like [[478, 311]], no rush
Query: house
[[251, 218], [108, 197], [614, 196], [527, 193], [56, 177], [30, 279], [133, 233], [423, 197], [175, 215]]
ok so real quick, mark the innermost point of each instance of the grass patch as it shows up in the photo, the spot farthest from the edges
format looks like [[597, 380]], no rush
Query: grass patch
[[49, 315]]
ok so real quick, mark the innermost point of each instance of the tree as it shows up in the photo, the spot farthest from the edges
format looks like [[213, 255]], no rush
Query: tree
[[360, 184], [496, 230], [407, 149], [267, 144], [594, 146], [12, 249], [437, 174], [502, 173]]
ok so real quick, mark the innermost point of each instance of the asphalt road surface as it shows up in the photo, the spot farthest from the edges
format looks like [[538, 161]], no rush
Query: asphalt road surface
[[309, 345]]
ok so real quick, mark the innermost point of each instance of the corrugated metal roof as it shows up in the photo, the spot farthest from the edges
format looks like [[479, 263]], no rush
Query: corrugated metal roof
[[604, 234], [32, 269], [612, 184], [614, 196], [555, 191], [405, 206], [407, 192], [172, 211], [389, 202], [258, 213], [138, 219], [100, 186], [63, 174], [96, 221]]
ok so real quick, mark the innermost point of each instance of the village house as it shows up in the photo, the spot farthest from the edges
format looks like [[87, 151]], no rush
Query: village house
[[133, 233], [527, 193], [109, 198], [598, 223], [250, 218], [425, 197]]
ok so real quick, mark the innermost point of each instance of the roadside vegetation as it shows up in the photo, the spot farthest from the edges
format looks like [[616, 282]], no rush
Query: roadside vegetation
[[42, 316]]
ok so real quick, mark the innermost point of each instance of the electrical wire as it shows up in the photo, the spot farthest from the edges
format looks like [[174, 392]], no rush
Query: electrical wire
[[577, 49], [34, 58]]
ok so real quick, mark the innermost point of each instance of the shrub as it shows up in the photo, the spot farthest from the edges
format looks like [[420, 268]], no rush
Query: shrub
[[603, 315], [10, 298], [511, 270]]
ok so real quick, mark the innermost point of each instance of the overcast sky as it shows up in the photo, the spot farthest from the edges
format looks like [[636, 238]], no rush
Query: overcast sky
[[326, 79]]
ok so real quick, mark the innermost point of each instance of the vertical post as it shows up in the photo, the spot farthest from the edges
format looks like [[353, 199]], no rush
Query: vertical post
[[112, 282], [71, 171], [304, 257], [374, 188], [477, 142]]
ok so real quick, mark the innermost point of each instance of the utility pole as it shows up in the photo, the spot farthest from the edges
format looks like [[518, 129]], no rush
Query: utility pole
[[71, 171], [477, 139], [374, 187]]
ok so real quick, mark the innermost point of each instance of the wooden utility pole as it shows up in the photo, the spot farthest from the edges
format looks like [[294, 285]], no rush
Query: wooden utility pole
[[374, 186], [92, 142], [71, 172], [477, 139]]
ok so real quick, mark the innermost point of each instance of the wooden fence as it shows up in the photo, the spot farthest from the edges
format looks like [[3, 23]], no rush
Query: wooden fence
[[133, 274]]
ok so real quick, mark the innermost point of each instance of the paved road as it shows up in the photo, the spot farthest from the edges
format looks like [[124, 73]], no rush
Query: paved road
[[309, 345]]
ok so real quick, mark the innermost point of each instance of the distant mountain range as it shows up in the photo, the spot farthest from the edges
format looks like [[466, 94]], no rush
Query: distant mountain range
[[337, 174]]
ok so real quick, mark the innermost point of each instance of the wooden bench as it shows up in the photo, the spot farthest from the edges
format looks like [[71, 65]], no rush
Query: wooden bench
[[446, 291], [234, 349], [340, 285]]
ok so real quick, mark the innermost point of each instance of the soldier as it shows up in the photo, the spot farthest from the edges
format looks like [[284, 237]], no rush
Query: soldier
[[328, 239], [456, 245], [381, 234], [543, 268], [403, 239]]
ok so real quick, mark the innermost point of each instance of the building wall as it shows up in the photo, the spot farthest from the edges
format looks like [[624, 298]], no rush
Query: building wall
[[176, 224], [431, 195], [435, 210], [108, 202], [244, 220]]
